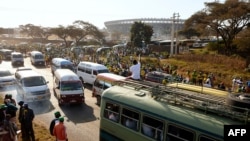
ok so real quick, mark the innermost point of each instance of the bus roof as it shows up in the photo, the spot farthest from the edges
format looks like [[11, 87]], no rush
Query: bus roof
[[66, 75], [143, 101], [110, 77]]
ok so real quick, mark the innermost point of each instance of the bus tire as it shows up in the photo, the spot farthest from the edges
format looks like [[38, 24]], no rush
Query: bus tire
[[238, 100]]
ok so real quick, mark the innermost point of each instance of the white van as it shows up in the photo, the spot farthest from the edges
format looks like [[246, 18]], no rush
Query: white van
[[87, 71], [61, 63], [37, 58], [102, 82], [32, 86], [68, 87], [17, 59]]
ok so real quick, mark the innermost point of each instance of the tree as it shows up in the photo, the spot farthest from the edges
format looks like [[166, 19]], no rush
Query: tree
[[140, 33], [225, 19], [31, 30], [189, 32], [63, 33], [80, 30]]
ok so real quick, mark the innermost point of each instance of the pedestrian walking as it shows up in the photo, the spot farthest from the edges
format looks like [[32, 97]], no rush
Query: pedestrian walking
[[54, 122], [60, 131], [26, 118]]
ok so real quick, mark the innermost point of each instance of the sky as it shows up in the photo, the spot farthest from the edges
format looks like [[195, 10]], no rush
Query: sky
[[52, 13]]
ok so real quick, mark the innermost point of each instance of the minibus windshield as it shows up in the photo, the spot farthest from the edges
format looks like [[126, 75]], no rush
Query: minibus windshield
[[71, 85]]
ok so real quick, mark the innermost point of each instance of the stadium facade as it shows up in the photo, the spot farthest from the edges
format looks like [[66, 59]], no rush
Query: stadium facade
[[162, 26]]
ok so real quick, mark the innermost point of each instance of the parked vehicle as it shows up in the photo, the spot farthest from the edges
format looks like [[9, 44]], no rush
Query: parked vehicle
[[67, 87], [102, 82], [6, 78], [158, 77], [32, 86], [87, 71], [37, 58], [6, 54], [17, 59]]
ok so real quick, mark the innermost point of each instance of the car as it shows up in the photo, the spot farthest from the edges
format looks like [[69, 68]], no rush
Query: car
[[6, 78], [22, 69], [156, 76]]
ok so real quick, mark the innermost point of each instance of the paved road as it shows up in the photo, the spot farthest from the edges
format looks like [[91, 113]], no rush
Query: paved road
[[82, 121]]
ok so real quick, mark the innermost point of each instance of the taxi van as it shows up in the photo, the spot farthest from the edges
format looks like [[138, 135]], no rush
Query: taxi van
[[67, 87], [32, 86], [17, 59], [102, 82], [37, 58], [87, 71], [61, 63]]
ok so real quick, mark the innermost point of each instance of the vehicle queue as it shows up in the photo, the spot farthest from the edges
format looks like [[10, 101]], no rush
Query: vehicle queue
[[159, 132]]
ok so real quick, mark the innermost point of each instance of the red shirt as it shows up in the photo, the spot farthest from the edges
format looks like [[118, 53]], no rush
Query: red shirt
[[60, 131]]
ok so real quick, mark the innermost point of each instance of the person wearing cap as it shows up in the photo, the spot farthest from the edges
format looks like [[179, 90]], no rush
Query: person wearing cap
[[20, 103], [26, 118], [2, 113], [11, 109], [54, 122], [60, 131]]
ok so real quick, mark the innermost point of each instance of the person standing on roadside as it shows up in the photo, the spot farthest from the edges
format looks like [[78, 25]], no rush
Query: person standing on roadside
[[26, 119], [54, 122], [60, 131]]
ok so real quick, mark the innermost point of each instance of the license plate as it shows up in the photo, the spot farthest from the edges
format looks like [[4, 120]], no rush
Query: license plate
[[39, 97], [72, 101]]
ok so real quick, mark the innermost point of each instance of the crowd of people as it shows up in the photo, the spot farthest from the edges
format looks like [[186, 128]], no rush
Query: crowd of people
[[10, 115]]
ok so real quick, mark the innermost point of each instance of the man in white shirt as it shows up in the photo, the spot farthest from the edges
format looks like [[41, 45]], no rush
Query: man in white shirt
[[135, 70]]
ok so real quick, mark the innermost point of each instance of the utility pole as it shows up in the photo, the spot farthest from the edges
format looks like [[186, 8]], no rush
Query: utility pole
[[175, 15], [176, 32]]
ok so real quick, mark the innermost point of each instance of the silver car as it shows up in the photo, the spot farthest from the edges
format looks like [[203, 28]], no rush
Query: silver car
[[6, 78]]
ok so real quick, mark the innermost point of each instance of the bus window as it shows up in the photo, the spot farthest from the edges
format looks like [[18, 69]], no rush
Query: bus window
[[176, 133], [204, 138], [130, 119], [111, 112], [152, 128]]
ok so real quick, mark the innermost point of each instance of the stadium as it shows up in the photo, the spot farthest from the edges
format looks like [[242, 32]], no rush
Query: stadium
[[161, 26]]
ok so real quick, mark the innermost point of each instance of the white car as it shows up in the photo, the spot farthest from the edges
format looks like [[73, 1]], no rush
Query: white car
[[6, 78], [22, 69]]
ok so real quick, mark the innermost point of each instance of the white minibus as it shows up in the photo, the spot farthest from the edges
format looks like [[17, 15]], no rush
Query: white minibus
[[87, 71], [67, 87], [102, 82], [61, 63], [17, 59], [37, 58], [32, 86]]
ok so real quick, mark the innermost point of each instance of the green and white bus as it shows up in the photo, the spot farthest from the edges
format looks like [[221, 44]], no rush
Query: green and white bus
[[135, 112]]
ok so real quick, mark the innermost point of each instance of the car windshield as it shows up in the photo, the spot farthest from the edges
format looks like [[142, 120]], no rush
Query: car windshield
[[17, 56], [67, 66], [71, 85], [34, 81], [5, 73], [103, 71], [38, 56]]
